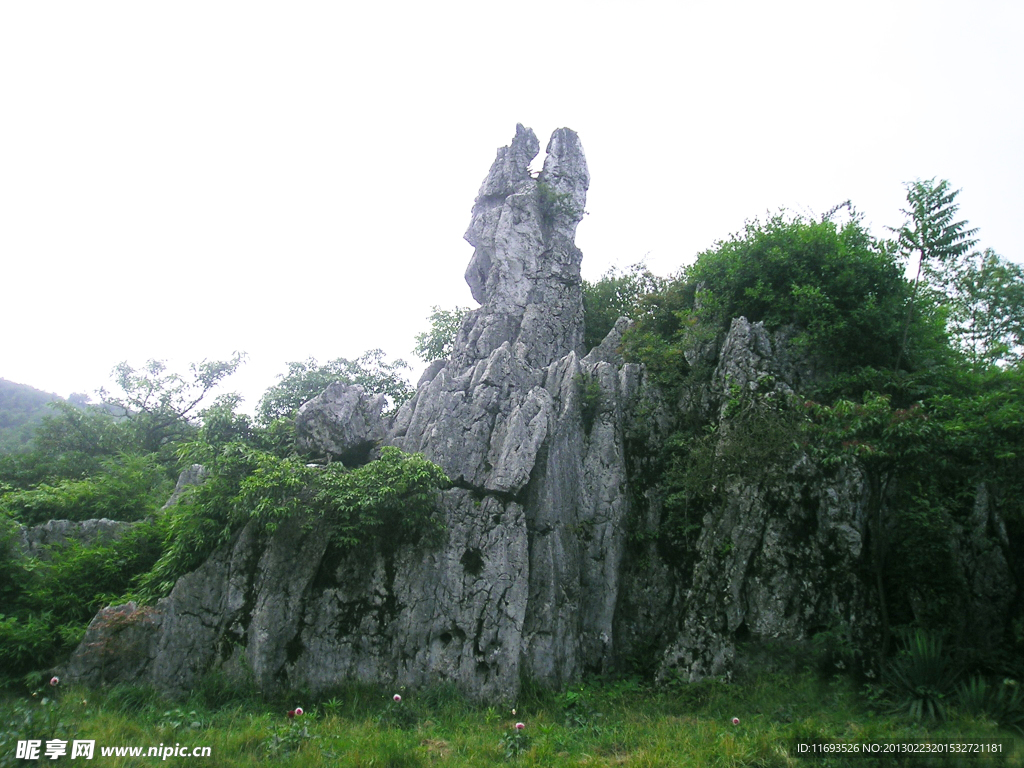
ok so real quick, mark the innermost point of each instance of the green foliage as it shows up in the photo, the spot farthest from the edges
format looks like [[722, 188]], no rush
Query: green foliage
[[26, 642], [439, 341], [11, 567], [836, 652], [880, 436], [69, 443], [1001, 701], [756, 446], [391, 500], [21, 719], [126, 487], [243, 483], [386, 502], [643, 726], [839, 287], [553, 204], [398, 714], [46, 604], [306, 380], [618, 293], [515, 743], [931, 234], [289, 738], [982, 435], [79, 580], [884, 441], [922, 568], [158, 404], [922, 677], [21, 409], [983, 294]]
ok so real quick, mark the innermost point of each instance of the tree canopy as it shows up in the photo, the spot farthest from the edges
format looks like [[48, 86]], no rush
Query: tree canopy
[[305, 380], [438, 341]]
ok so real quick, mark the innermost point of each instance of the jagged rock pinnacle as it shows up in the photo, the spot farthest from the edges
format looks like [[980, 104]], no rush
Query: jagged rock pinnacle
[[525, 270]]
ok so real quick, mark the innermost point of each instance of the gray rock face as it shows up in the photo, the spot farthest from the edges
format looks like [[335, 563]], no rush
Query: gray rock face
[[343, 422], [777, 559], [39, 540], [188, 478], [525, 270]]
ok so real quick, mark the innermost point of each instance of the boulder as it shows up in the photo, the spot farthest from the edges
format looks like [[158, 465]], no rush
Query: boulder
[[343, 422]]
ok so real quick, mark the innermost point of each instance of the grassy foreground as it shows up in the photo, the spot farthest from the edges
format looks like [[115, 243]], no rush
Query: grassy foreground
[[622, 723]]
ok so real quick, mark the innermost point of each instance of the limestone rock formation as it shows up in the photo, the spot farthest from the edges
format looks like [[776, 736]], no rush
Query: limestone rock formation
[[192, 476], [525, 270], [38, 540], [551, 563], [343, 422], [526, 580]]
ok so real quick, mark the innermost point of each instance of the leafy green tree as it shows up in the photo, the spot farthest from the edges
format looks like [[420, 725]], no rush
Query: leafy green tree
[[985, 297], [125, 487], [439, 342], [69, 443], [617, 293], [161, 405], [840, 290], [930, 234], [306, 380]]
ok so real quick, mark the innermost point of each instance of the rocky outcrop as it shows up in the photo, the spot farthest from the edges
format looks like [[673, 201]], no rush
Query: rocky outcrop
[[188, 478], [778, 555], [531, 434], [525, 270], [40, 540], [552, 562], [343, 422]]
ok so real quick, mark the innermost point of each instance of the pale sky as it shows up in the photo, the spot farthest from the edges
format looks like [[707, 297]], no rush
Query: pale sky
[[182, 180]]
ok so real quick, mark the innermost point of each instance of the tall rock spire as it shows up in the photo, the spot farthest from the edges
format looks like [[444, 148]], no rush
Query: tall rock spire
[[525, 270]]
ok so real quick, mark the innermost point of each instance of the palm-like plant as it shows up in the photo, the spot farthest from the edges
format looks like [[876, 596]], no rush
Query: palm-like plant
[[931, 234], [922, 676]]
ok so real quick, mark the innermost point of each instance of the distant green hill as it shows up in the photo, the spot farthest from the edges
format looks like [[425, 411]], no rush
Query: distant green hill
[[21, 408]]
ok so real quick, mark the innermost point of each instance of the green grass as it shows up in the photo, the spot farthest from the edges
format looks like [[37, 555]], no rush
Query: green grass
[[600, 723]]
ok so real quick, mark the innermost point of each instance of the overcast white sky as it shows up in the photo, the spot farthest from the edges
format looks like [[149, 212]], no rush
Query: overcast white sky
[[183, 180]]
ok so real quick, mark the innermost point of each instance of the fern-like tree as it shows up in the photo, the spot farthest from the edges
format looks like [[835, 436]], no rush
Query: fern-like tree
[[931, 234]]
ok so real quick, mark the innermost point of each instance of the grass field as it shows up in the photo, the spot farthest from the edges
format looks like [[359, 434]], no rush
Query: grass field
[[600, 723]]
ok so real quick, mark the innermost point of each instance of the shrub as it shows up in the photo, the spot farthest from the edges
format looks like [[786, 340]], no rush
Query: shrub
[[128, 487], [1000, 701]]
